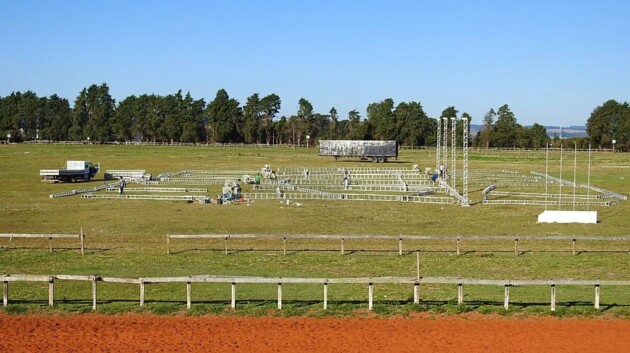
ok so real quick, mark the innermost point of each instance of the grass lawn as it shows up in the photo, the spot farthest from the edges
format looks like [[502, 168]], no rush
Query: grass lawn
[[127, 238]]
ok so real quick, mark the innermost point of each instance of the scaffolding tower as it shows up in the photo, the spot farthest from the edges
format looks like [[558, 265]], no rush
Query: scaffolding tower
[[465, 160], [438, 150], [453, 172], [445, 142]]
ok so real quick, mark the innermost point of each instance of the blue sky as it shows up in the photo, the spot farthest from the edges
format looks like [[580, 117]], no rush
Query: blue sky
[[551, 61]]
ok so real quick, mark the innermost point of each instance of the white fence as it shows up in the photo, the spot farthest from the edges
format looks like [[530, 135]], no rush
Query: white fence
[[416, 282], [456, 239], [50, 237]]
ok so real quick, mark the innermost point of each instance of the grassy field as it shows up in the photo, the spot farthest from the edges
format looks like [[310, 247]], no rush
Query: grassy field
[[126, 238]]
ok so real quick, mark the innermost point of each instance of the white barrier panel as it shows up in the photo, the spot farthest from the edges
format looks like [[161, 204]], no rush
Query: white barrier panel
[[568, 217]]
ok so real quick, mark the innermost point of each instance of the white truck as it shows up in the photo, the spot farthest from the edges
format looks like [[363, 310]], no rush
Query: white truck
[[73, 171], [378, 151]]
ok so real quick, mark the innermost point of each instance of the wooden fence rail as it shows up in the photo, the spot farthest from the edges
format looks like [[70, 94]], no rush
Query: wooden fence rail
[[457, 239], [280, 281], [50, 237]]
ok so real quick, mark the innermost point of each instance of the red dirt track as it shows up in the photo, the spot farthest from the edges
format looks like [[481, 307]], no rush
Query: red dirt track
[[468, 333]]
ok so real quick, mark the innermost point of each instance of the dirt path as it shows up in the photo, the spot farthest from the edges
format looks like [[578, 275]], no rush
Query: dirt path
[[470, 333]]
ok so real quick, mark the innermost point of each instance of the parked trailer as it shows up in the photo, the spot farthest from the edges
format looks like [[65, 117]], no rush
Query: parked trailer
[[73, 171], [377, 151]]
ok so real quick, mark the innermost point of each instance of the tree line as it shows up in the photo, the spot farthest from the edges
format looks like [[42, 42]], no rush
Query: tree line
[[96, 116]]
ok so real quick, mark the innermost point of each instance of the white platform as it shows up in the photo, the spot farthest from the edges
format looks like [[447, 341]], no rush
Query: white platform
[[568, 217]]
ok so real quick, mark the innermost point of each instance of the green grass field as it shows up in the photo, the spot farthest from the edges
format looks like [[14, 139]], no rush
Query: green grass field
[[126, 238]]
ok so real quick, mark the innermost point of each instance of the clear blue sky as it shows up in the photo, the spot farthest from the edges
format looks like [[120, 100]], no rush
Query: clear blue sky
[[551, 61]]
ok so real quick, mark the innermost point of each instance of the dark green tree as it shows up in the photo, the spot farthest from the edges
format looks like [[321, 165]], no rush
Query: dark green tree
[[538, 135], [305, 119], [382, 120], [504, 132], [608, 122], [270, 106], [224, 118], [252, 113], [124, 119], [57, 121], [100, 109]]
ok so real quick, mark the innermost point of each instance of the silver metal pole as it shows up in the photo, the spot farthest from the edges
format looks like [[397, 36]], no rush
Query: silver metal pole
[[574, 172], [546, 176], [560, 183]]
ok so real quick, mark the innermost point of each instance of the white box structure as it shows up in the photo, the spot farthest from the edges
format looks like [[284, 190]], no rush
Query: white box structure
[[568, 217]]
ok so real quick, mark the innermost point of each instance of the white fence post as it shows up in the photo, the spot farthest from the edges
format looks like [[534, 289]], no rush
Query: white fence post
[[279, 296], [82, 240], [94, 292], [5, 293], [370, 296], [553, 297], [142, 292], [506, 299], [416, 293], [325, 295], [460, 293], [51, 290], [233, 302], [597, 296], [188, 292]]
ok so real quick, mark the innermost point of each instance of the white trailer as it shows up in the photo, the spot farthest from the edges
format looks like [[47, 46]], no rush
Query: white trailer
[[378, 151], [73, 171]]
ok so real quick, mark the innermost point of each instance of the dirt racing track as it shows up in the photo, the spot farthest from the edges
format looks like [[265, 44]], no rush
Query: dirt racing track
[[463, 333]]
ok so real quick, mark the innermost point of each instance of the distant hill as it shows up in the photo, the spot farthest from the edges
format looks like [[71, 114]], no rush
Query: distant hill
[[552, 131]]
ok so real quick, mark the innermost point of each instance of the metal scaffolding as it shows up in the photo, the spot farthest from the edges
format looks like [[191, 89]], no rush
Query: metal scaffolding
[[438, 150], [453, 172], [465, 160], [445, 142]]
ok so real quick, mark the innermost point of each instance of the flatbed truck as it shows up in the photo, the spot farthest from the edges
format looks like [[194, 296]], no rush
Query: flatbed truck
[[73, 171]]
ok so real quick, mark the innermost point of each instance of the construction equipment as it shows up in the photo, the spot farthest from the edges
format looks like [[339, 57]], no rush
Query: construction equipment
[[73, 171], [378, 151]]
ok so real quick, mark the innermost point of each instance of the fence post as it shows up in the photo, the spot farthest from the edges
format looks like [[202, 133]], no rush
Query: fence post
[[516, 247], [460, 293], [370, 295], [325, 295], [279, 296], [226, 245], [142, 292], [457, 246], [553, 297], [51, 290], [597, 296], [418, 265], [49, 244], [506, 300], [168, 244], [284, 245], [573, 247], [188, 291], [82, 240], [94, 292], [233, 302], [5, 293], [416, 292], [400, 246], [341, 246]]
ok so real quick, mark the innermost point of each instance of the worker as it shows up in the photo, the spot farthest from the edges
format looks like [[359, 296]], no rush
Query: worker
[[257, 181], [121, 185]]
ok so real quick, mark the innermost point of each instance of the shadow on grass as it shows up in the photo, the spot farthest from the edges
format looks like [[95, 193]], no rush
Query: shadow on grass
[[279, 251]]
